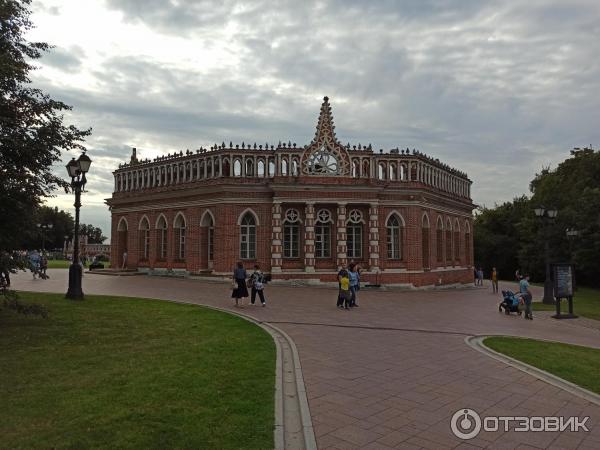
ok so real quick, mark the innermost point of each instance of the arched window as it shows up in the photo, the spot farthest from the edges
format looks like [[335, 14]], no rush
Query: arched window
[[261, 168], [295, 167], [439, 237], [237, 168], [179, 227], [354, 239], [161, 237], [456, 241], [323, 234], [144, 247], [365, 171], [249, 168], [271, 168], [425, 241], [356, 169], [201, 171], [291, 234], [209, 168], [394, 237], [248, 236], [448, 241], [467, 243], [284, 167], [381, 171], [393, 173]]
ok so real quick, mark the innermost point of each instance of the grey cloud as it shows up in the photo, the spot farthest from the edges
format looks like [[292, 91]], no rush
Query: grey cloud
[[63, 59]]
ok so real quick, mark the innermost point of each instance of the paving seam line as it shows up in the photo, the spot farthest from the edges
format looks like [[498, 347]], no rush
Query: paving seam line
[[476, 342], [368, 327], [280, 433]]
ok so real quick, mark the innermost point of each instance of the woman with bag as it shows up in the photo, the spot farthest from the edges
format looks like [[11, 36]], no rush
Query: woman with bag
[[257, 283], [240, 291]]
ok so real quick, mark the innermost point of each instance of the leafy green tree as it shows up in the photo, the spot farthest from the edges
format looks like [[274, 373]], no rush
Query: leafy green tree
[[93, 233], [32, 133]]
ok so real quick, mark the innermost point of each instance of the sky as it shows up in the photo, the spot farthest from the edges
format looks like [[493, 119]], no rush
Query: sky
[[497, 89]]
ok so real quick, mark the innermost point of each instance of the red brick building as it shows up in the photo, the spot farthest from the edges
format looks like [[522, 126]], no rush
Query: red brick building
[[300, 212]]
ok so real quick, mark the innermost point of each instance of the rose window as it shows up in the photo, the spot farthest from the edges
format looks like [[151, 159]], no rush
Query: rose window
[[291, 215], [324, 216], [323, 162]]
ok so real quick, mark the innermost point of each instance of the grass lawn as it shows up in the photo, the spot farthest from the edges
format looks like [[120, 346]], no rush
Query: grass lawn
[[118, 372], [579, 365], [58, 264], [586, 302]]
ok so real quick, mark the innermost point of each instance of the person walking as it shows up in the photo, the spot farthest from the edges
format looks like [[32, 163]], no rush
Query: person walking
[[480, 276], [34, 263], [527, 297], [494, 281], [353, 277], [257, 282], [240, 291], [43, 267]]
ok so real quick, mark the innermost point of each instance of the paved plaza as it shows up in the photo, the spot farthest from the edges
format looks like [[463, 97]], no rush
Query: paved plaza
[[391, 373]]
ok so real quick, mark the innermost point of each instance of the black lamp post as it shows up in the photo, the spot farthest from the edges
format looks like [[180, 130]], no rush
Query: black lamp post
[[43, 228], [77, 170], [547, 217]]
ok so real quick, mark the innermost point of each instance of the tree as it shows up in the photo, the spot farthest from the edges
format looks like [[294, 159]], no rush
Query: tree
[[32, 133], [510, 234], [93, 233]]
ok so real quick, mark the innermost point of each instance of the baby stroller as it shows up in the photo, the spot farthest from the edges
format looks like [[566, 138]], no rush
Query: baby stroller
[[510, 303]]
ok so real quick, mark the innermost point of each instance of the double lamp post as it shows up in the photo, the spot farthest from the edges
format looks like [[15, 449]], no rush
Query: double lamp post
[[77, 170]]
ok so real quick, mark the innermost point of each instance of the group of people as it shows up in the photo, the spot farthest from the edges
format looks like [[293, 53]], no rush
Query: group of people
[[241, 282], [38, 264], [349, 285]]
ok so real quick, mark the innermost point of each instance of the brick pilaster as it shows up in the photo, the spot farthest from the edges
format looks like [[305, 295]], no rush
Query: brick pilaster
[[276, 248], [373, 237], [342, 258], [309, 237]]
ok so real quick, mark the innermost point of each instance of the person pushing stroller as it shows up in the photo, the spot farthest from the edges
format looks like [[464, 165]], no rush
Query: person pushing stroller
[[511, 302]]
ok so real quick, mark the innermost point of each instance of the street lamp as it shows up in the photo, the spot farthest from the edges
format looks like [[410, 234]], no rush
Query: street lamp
[[547, 216], [77, 170], [66, 245], [44, 227]]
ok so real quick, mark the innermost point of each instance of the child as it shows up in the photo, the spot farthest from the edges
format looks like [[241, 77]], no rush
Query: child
[[257, 282], [344, 295]]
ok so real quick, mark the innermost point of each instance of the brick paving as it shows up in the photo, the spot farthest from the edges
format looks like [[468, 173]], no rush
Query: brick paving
[[391, 373]]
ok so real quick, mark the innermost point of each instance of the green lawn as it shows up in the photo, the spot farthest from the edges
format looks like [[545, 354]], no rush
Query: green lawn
[[579, 365], [116, 372], [586, 302], [58, 264]]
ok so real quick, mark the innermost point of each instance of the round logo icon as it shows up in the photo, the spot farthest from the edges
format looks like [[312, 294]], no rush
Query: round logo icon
[[465, 424]]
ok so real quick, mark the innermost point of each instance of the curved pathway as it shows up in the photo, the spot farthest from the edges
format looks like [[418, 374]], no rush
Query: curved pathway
[[392, 372]]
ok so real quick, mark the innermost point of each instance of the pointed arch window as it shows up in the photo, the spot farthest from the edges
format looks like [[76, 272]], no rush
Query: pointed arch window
[[271, 168], [161, 236], [448, 242], [394, 237], [284, 167], [456, 241], [144, 246], [291, 234], [237, 168], [180, 237], [249, 168], [261, 168], [439, 237], [323, 234], [354, 234], [425, 241], [248, 237]]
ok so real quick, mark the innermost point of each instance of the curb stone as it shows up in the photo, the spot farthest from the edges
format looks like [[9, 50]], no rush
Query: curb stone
[[476, 342], [293, 423]]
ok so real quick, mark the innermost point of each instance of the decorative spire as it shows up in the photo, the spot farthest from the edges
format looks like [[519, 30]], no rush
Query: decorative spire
[[325, 124]]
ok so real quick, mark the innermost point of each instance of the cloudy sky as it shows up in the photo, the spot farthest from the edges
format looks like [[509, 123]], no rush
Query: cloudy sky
[[498, 89]]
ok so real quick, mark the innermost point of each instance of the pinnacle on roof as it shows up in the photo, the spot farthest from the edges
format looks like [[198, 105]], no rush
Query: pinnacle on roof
[[325, 123]]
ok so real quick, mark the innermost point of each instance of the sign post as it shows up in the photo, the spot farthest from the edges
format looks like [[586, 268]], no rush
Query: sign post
[[563, 278]]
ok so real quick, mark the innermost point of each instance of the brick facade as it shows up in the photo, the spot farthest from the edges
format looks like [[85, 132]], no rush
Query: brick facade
[[277, 207]]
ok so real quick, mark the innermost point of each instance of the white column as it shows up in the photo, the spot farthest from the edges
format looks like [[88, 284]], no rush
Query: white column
[[373, 237], [342, 257], [276, 247], [309, 237]]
